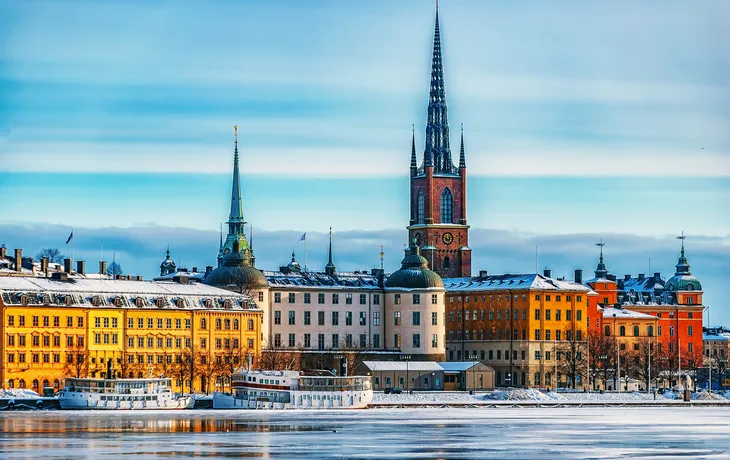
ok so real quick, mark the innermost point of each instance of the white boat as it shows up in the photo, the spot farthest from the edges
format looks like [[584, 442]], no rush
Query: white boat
[[121, 394], [289, 390]]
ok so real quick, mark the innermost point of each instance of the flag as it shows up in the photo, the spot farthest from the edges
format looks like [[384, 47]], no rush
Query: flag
[[70, 237], [303, 237]]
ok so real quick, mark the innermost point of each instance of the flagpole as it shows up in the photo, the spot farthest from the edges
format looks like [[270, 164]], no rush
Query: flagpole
[[305, 250]]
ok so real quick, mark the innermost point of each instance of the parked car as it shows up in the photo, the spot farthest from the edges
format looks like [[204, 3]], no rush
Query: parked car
[[393, 391]]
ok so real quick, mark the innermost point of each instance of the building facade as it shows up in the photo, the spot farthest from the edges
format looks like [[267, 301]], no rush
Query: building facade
[[72, 326]]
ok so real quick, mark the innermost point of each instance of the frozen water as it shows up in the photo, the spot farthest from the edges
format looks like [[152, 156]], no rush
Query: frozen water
[[506, 433]]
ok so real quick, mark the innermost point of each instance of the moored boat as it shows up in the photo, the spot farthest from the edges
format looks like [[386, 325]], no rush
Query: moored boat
[[290, 390], [121, 394]]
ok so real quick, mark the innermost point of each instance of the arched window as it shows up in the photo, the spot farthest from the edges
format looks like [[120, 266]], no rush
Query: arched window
[[227, 323], [250, 325], [636, 331], [160, 302], [56, 383], [21, 384], [607, 331], [227, 304], [622, 331], [447, 212], [45, 383], [139, 302], [650, 331], [46, 300], [218, 324], [180, 303], [68, 300], [208, 303], [35, 383], [11, 383], [203, 323], [235, 324], [447, 263], [420, 213], [95, 301]]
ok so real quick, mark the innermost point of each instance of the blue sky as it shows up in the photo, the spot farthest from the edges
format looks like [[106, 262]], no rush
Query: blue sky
[[582, 120]]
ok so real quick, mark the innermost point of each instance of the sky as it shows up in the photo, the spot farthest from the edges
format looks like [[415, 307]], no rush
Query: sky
[[582, 120]]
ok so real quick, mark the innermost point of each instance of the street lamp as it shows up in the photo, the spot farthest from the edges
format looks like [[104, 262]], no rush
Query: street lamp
[[604, 358]]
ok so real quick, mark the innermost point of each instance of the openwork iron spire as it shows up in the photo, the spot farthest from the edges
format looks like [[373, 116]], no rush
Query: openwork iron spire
[[330, 267], [414, 162], [437, 152]]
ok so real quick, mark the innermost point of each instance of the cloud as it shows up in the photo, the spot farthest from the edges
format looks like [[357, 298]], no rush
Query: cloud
[[141, 249]]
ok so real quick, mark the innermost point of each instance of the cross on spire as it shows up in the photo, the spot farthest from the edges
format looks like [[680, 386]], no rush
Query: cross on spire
[[330, 267], [682, 237]]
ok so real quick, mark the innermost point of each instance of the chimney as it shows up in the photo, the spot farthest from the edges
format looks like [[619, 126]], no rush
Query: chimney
[[195, 269], [18, 260], [67, 266], [208, 269], [44, 266], [611, 277], [641, 276], [578, 278], [102, 267], [182, 279], [139, 277], [80, 267], [119, 277], [627, 277], [546, 273], [657, 276], [3, 252], [59, 276], [483, 274]]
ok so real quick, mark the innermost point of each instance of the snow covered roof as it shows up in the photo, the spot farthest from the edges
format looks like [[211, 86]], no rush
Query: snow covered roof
[[198, 276], [82, 292], [320, 280], [622, 313], [380, 366], [530, 281], [717, 337], [458, 366], [641, 283]]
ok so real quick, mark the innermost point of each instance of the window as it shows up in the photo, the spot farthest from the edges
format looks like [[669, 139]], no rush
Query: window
[[203, 323], [396, 318], [447, 214], [416, 318], [547, 334], [376, 318], [650, 331], [376, 299], [547, 315], [292, 318], [307, 340], [335, 298], [622, 331], [537, 315], [557, 334], [21, 340], [335, 318], [261, 296], [636, 331], [320, 298], [376, 340], [689, 315], [277, 340], [292, 340], [348, 340], [348, 299], [435, 318], [307, 297], [277, 317], [420, 208], [671, 331], [435, 341], [396, 340], [203, 342], [558, 315], [690, 330], [292, 297], [363, 340], [307, 318], [416, 340], [35, 340], [396, 299], [537, 334], [277, 297], [320, 341], [227, 324], [335, 340], [348, 318], [579, 315], [320, 318], [11, 320], [363, 318]]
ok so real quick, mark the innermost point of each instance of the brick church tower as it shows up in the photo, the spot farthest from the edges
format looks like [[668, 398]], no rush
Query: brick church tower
[[438, 188]]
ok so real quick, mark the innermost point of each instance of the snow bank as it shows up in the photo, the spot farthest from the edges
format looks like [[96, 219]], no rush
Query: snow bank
[[427, 398], [18, 393], [522, 394]]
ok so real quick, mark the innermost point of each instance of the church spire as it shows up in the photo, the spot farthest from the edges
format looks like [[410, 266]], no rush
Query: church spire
[[462, 155], [682, 263], [414, 163], [601, 272], [437, 152], [330, 267], [236, 214]]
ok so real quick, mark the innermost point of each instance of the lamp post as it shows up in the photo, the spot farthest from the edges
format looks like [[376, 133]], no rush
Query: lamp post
[[604, 358], [618, 367], [406, 358]]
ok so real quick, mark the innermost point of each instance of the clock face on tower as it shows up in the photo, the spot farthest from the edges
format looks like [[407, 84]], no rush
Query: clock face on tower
[[417, 236], [448, 238]]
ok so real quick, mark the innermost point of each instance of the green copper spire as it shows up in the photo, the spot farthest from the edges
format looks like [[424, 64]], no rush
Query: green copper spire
[[236, 207], [330, 267]]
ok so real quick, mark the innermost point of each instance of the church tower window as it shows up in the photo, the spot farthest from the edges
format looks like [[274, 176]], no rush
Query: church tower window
[[447, 212], [420, 207]]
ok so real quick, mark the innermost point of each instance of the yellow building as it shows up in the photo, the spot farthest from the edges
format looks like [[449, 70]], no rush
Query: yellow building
[[58, 327]]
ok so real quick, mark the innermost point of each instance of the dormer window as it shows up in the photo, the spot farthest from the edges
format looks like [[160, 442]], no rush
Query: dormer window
[[179, 303], [160, 302], [139, 302], [95, 301], [208, 303], [117, 301], [24, 299], [68, 300], [46, 299], [227, 304]]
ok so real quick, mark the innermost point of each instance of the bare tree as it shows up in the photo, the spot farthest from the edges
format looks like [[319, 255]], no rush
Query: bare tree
[[207, 369], [573, 353], [54, 255], [646, 362], [668, 360], [114, 269], [602, 350], [77, 362]]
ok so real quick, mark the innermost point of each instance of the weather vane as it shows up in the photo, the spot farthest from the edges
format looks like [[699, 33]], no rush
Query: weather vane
[[235, 132], [382, 255]]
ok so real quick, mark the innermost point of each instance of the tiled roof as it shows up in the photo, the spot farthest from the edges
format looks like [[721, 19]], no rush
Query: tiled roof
[[320, 280]]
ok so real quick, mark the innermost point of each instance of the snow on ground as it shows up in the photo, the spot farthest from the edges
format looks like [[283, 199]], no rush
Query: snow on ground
[[18, 393], [532, 394]]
